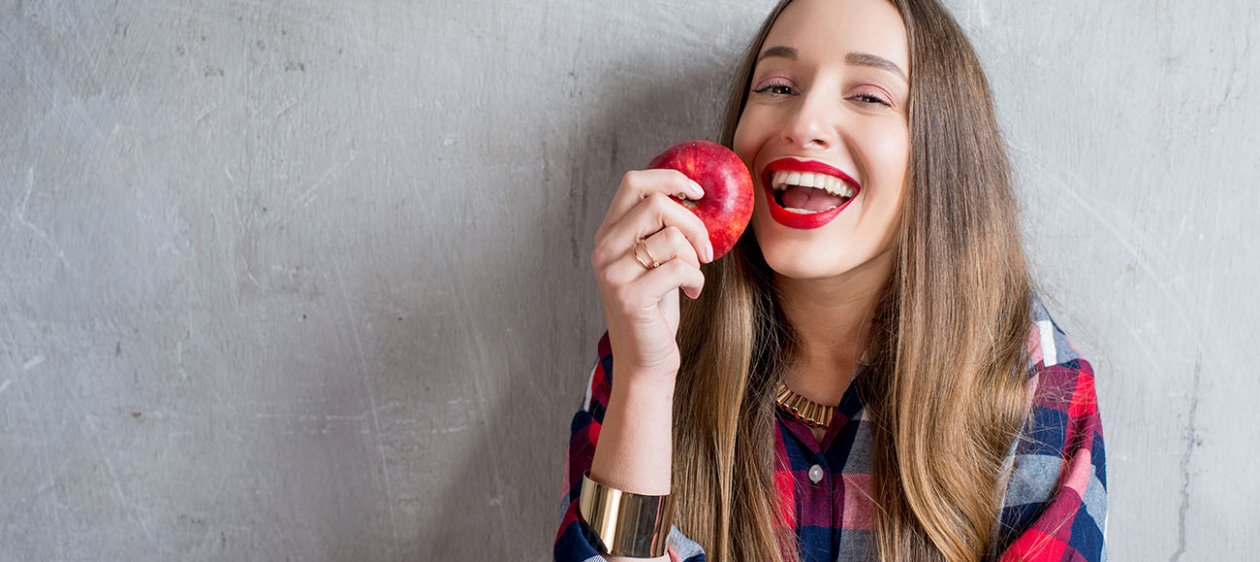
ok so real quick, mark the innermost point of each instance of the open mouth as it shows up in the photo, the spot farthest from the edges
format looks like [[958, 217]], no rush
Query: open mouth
[[807, 193]]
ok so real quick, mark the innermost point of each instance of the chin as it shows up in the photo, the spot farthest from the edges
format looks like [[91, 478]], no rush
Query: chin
[[855, 248], [809, 267], [798, 260], [819, 259]]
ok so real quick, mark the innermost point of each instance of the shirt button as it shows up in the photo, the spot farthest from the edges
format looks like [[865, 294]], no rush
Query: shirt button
[[815, 474]]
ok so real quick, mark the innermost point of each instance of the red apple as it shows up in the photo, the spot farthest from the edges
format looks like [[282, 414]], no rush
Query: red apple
[[727, 204]]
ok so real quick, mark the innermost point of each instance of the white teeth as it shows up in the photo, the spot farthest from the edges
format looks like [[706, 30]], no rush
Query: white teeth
[[781, 180], [807, 211]]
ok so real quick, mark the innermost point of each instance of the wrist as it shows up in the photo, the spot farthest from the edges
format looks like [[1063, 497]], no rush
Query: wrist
[[645, 387], [635, 450]]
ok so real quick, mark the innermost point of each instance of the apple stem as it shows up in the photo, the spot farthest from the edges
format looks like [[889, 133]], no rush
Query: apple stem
[[688, 203]]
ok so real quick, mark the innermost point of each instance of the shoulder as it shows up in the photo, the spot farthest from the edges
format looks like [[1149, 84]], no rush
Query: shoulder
[[1060, 380], [1048, 344], [1057, 485]]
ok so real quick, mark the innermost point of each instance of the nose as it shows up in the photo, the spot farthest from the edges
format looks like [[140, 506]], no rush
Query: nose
[[813, 123]]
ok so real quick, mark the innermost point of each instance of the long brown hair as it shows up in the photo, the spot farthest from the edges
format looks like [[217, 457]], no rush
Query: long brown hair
[[945, 390]]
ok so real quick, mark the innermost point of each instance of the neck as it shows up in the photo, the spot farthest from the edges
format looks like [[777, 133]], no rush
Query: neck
[[831, 319]]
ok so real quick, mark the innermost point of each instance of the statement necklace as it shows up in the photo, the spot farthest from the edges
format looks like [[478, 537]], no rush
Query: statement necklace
[[804, 409]]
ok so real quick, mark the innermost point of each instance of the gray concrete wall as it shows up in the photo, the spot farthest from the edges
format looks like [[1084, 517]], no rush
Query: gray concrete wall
[[310, 281]]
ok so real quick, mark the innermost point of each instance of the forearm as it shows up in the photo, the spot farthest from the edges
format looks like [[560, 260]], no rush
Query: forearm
[[635, 448]]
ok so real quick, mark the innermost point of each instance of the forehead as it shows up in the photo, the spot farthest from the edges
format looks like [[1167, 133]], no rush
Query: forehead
[[826, 31]]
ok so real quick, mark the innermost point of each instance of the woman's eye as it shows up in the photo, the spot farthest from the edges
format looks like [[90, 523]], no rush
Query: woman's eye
[[868, 98], [775, 89]]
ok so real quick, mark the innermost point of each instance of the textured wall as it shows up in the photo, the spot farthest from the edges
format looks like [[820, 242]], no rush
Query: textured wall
[[310, 280]]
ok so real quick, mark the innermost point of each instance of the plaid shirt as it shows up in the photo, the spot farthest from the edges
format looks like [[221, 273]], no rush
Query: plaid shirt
[[1055, 504]]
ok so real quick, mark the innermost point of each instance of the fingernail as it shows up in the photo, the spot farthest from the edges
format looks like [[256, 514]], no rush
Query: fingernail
[[696, 190], [708, 251]]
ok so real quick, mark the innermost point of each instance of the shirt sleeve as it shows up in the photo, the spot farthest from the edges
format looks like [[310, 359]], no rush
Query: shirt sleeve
[[1055, 506], [574, 539]]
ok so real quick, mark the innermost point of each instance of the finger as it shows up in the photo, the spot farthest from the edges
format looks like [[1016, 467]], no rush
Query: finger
[[671, 276], [642, 297], [667, 244], [653, 215], [637, 185], [648, 254]]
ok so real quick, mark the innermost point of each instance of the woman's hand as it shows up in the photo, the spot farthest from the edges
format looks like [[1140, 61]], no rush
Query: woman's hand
[[641, 302]]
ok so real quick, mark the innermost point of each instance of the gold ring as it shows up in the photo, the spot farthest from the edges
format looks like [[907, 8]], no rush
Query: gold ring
[[651, 262]]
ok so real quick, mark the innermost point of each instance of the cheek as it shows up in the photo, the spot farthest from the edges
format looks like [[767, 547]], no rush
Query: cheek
[[887, 156], [750, 135], [741, 145]]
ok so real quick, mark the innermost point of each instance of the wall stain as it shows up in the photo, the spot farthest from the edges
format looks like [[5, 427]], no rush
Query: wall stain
[[570, 209], [1193, 441]]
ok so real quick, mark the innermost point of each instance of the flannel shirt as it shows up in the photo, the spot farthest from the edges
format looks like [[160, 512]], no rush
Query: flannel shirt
[[1054, 506]]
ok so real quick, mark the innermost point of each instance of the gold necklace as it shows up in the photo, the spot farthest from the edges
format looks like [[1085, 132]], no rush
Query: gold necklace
[[804, 409]]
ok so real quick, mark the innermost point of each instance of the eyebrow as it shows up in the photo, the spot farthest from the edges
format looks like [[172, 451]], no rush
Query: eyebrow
[[867, 59], [859, 59], [777, 51]]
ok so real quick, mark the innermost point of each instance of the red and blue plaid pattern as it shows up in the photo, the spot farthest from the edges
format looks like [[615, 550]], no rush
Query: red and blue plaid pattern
[[1054, 508]]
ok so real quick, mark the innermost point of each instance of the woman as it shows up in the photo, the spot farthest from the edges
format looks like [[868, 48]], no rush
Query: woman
[[869, 375]]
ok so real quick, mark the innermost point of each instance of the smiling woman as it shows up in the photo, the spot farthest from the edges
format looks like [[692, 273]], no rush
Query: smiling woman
[[870, 374]]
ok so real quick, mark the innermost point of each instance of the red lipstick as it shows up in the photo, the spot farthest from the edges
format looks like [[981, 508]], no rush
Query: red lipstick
[[795, 220]]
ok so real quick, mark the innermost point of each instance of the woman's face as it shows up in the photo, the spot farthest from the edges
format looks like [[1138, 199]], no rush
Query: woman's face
[[826, 116]]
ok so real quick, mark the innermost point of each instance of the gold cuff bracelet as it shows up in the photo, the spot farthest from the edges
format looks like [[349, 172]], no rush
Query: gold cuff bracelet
[[626, 524]]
